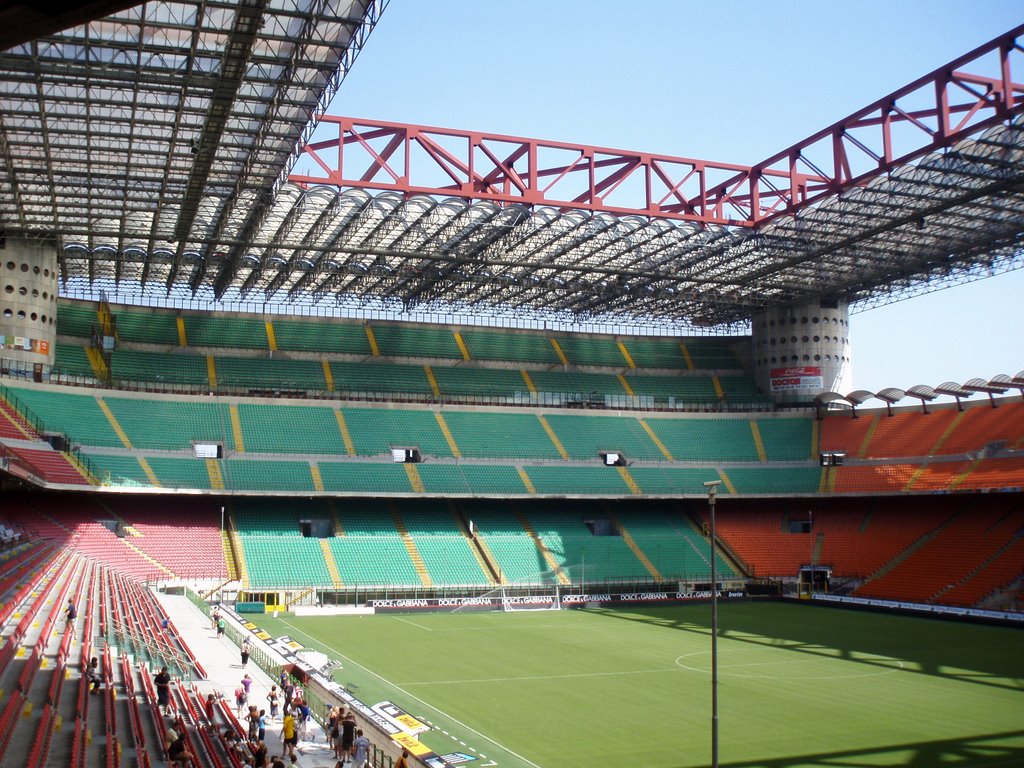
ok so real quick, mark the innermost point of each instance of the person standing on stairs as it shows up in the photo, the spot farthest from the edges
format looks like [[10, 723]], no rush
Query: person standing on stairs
[[70, 613]]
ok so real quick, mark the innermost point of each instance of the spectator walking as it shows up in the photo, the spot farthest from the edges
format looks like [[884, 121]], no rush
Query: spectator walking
[[70, 614], [273, 697], [241, 698], [252, 718], [247, 685], [360, 750], [348, 734], [304, 716], [287, 690], [334, 731], [246, 648], [288, 735], [162, 681]]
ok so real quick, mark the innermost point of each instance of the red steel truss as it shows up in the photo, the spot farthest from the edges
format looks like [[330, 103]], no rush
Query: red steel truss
[[954, 102]]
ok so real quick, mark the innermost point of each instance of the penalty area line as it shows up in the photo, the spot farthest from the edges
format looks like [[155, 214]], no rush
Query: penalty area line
[[414, 624], [418, 699]]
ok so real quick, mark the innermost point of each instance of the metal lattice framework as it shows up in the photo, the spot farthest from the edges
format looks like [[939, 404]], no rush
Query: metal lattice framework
[[156, 145], [153, 132]]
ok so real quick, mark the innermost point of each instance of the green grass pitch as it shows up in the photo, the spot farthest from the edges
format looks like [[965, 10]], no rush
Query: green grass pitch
[[799, 685]]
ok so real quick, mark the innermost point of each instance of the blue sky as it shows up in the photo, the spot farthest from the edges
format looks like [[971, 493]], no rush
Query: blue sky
[[727, 81]]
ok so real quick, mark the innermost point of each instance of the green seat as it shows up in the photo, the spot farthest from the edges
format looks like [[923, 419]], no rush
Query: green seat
[[364, 477], [485, 434], [181, 473], [76, 415], [375, 430], [577, 385], [672, 481], [577, 480], [77, 318], [73, 360], [655, 352], [581, 349], [290, 429], [585, 436], [265, 475], [742, 389], [786, 439], [262, 373], [671, 543], [118, 471], [321, 336], [284, 561], [153, 326], [672, 390], [379, 560], [775, 480], [705, 439], [171, 425], [379, 378], [238, 331], [718, 353], [489, 382], [159, 368], [470, 479], [416, 341], [510, 346]]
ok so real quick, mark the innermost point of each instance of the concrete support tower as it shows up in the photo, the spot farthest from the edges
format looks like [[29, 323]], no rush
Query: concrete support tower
[[801, 351], [28, 304]]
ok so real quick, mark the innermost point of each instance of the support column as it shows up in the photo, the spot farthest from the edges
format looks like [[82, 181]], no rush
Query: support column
[[28, 304], [802, 351]]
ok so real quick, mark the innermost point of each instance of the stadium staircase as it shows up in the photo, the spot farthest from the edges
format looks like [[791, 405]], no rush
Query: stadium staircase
[[954, 555], [482, 553], [726, 551], [634, 548], [866, 588], [410, 547], [48, 715], [545, 553]]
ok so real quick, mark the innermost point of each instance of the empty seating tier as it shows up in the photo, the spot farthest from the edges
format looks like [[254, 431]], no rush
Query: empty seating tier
[[152, 327], [511, 346]]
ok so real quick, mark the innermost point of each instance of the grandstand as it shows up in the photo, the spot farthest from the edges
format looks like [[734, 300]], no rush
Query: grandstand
[[288, 455]]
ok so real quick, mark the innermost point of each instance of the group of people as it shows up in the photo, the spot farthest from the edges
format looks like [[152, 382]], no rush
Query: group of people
[[286, 700], [341, 732], [217, 621]]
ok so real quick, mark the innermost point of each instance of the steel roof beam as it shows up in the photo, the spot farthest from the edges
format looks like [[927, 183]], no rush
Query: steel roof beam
[[248, 19], [968, 95]]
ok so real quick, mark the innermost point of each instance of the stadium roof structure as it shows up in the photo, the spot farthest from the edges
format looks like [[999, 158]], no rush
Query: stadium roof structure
[[164, 127], [182, 147]]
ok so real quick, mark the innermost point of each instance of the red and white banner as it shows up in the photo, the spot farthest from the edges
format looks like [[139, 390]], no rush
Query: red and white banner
[[797, 377]]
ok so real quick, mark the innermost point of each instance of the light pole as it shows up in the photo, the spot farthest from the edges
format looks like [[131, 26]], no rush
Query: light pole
[[712, 486]]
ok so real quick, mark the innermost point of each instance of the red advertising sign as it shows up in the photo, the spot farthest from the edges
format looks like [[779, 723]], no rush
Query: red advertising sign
[[796, 377]]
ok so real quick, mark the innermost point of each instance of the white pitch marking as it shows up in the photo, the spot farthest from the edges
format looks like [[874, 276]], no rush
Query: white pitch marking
[[886, 671], [547, 677], [417, 698], [413, 623]]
